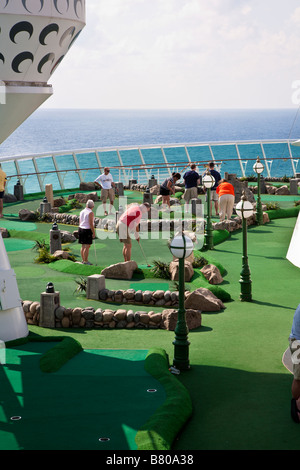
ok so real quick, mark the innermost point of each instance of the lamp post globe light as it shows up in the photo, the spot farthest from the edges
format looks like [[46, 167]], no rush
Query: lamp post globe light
[[208, 181], [244, 209], [181, 247], [258, 167]]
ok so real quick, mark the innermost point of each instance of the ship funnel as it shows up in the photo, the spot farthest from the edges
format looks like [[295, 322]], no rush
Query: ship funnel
[[35, 36]]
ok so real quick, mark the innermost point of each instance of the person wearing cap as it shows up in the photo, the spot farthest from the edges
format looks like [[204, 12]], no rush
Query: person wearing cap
[[86, 230], [107, 185], [128, 226]]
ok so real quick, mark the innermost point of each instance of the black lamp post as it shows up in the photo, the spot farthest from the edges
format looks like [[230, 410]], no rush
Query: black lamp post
[[258, 167], [208, 181], [244, 209], [181, 247]]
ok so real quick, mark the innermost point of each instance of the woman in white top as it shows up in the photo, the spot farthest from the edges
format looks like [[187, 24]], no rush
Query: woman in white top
[[86, 231]]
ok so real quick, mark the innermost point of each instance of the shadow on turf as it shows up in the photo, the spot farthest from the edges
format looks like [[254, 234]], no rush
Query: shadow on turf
[[271, 305], [237, 410]]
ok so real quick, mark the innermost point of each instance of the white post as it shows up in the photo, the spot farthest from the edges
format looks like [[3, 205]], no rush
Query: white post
[[2, 353], [12, 318]]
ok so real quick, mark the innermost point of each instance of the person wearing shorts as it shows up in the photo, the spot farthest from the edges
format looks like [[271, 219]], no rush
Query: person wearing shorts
[[213, 194], [128, 226], [191, 180], [2, 189], [294, 344], [168, 187], [105, 182], [225, 192], [86, 230]]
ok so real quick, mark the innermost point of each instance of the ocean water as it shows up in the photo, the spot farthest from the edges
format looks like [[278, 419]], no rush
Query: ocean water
[[64, 129]]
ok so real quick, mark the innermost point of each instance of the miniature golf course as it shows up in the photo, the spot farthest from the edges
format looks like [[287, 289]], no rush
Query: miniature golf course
[[52, 410], [238, 386]]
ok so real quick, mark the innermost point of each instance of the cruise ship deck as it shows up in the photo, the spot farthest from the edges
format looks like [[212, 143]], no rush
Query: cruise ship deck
[[238, 389]]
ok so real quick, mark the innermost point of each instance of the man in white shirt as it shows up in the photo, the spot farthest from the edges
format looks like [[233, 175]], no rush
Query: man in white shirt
[[105, 181]]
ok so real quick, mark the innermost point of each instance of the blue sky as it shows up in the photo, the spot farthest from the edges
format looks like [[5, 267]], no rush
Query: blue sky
[[182, 54]]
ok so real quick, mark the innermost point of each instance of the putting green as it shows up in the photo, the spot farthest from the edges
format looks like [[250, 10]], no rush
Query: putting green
[[14, 244], [77, 406], [152, 286], [16, 225]]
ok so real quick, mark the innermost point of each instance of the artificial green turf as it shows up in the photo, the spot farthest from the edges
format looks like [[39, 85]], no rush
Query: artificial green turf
[[59, 355], [12, 244], [151, 286], [34, 235], [239, 388], [75, 406], [18, 225], [283, 213], [159, 432]]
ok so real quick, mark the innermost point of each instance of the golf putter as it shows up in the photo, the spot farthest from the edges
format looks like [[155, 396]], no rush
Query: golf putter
[[148, 265], [95, 251]]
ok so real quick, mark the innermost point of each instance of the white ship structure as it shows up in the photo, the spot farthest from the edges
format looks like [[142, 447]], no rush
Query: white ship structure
[[35, 36]]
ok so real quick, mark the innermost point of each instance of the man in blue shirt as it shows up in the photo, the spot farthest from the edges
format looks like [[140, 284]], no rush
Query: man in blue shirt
[[191, 180], [294, 341], [213, 195]]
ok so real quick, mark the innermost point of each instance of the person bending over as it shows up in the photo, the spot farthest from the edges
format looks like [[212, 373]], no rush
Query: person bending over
[[225, 191], [168, 187], [128, 226]]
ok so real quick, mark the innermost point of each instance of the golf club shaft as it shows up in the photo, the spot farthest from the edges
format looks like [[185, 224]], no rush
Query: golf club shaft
[[143, 253], [95, 251]]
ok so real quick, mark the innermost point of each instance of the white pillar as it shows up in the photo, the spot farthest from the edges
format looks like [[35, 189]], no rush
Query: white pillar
[[13, 323], [293, 254]]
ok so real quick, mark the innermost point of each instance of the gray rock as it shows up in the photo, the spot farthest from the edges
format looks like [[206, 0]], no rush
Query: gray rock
[[120, 270], [103, 294], [139, 296], [99, 315]]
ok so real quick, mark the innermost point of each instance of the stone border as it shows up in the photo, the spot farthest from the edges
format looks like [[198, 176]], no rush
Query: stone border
[[156, 298], [100, 318]]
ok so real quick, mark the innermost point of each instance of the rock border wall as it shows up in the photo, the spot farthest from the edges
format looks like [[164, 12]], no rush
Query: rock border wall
[[99, 318]]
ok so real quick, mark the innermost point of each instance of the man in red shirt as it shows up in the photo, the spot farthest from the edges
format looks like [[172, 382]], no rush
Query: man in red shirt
[[225, 192], [128, 226]]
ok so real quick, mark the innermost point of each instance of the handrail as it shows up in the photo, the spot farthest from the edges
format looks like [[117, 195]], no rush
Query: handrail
[[141, 167], [57, 153]]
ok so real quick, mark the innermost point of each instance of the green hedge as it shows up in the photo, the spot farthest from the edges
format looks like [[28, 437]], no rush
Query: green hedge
[[199, 280], [159, 432], [283, 213], [53, 359], [219, 236]]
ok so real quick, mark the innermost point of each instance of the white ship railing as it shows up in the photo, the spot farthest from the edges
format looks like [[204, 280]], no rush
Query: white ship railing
[[67, 169]]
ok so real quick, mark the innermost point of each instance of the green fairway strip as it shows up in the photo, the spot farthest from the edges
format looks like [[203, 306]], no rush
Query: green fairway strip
[[159, 432], [84, 394]]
